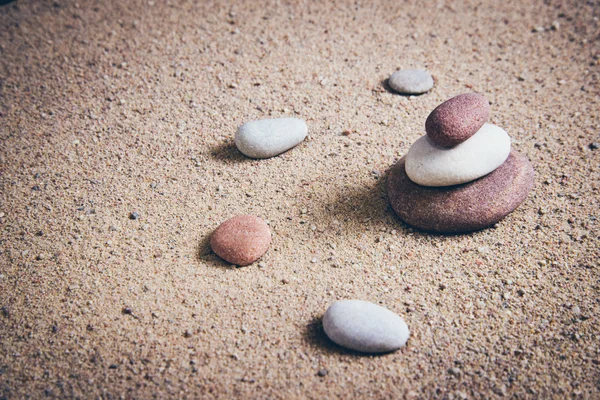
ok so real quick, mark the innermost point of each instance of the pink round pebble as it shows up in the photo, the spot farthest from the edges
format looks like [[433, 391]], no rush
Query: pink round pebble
[[241, 240], [457, 119]]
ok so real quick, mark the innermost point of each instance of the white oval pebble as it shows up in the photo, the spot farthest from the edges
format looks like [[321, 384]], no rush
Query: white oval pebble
[[411, 81], [364, 326], [269, 137], [431, 165]]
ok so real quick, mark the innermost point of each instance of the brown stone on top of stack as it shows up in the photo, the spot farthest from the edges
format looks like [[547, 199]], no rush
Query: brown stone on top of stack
[[457, 119]]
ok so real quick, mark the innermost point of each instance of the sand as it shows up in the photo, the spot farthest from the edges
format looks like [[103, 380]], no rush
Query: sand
[[110, 107]]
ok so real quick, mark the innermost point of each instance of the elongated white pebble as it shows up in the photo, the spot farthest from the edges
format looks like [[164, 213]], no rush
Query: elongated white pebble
[[267, 138], [364, 326]]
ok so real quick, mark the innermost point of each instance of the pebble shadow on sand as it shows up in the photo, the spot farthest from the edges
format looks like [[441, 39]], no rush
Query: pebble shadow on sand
[[205, 254], [228, 153], [315, 337], [385, 83]]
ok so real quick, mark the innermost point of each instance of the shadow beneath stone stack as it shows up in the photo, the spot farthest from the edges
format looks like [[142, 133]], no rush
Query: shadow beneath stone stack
[[369, 204], [365, 204], [361, 202]]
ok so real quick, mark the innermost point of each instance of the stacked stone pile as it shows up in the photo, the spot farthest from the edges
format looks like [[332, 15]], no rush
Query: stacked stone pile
[[462, 175]]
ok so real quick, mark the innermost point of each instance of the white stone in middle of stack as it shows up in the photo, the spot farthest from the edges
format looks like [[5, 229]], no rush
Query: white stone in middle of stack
[[431, 165]]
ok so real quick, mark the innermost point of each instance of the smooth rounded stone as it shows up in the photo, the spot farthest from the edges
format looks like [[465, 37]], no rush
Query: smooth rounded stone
[[364, 326], [430, 165], [411, 81], [463, 208], [269, 137], [457, 119], [241, 240]]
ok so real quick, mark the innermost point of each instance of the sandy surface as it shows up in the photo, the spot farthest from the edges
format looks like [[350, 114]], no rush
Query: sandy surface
[[109, 107]]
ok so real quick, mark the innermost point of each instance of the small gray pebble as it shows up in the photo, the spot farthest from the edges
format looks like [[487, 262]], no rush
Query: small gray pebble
[[134, 215], [411, 81]]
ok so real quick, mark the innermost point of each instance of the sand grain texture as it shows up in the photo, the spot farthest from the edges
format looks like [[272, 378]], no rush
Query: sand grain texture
[[110, 107]]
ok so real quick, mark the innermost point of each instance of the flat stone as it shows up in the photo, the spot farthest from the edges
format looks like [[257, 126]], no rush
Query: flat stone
[[411, 81], [461, 208], [364, 326], [430, 165], [457, 119], [241, 240], [270, 137]]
